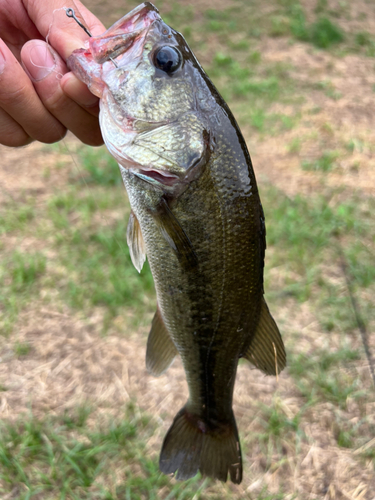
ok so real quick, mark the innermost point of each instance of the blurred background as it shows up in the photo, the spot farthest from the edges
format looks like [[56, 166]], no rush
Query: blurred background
[[80, 416]]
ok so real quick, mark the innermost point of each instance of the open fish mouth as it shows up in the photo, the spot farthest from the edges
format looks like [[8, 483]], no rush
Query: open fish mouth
[[120, 37], [124, 38]]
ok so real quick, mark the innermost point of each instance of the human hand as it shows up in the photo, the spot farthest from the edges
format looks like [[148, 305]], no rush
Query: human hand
[[43, 99]]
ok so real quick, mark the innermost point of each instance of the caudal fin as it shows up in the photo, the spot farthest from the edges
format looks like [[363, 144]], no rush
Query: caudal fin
[[192, 445]]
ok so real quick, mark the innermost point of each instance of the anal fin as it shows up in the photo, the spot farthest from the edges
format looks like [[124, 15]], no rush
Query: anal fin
[[135, 242], [266, 350], [161, 350]]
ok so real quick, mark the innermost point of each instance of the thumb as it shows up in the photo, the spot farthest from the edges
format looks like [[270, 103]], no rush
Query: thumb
[[40, 60], [46, 68]]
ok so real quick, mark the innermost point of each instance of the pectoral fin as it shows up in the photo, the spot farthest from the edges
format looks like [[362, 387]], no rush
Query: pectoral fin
[[266, 350], [135, 242], [161, 350], [175, 235]]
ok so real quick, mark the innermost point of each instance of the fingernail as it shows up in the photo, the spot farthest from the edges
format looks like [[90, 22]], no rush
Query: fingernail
[[41, 61], [2, 61]]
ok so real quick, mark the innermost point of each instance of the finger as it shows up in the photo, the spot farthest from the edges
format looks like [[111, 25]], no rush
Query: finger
[[11, 133], [37, 58], [65, 36], [63, 33], [19, 100], [79, 92]]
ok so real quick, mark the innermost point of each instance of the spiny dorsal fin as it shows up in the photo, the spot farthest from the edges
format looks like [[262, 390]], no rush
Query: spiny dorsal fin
[[266, 350], [175, 236], [135, 242], [161, 350]]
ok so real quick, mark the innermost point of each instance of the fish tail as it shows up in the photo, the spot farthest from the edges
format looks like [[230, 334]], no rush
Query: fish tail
[[193, 445]]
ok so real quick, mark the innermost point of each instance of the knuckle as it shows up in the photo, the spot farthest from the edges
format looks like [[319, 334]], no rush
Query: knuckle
[[15, 139], [14, 97], [53, 136], [93, 139], [56, 102], [50, 133]]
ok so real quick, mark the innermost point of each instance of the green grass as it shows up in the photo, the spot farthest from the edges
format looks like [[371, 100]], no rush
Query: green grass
[[325, 163], [328, 88], [323, 33], [16, 217], [323, 360], [252, 88], [95, 255], [277, 424], [91, 264], [364, 43], [310, 231], [70, 457], [320, 376], [294, 147], [25, 270], [20, 276], [99, 167], [307, 226], [21, 349]]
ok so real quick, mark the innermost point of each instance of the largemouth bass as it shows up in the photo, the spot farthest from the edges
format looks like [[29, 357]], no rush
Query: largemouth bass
[[197, 215]]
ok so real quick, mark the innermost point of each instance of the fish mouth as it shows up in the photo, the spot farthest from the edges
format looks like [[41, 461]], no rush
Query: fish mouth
[[158, 178], [127, 35], [120, 37]]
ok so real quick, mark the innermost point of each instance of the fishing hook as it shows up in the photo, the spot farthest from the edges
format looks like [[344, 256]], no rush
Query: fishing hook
[[70, 13]]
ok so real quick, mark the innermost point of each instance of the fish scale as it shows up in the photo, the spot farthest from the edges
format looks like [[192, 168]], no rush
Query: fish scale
[[197, 215]]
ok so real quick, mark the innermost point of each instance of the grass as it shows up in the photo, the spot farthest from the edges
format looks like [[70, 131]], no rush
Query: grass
[[100, 269], [20, 275], [71, 457], [65, 251], [16, 217], [325, 163], [66, 456], [322, 33], [92, 265], [310, 232], [294, 147], [21, 349], [253, 88], [318, 380], [328, 88], [99, 168]]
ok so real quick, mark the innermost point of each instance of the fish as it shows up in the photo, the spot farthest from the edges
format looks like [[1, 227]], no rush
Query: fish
[[197, 216]]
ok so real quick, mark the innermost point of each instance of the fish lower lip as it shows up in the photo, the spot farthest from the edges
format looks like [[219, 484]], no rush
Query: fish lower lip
[[157, 177]]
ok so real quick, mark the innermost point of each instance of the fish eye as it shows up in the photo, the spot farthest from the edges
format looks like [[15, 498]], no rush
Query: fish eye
[[167, 59]]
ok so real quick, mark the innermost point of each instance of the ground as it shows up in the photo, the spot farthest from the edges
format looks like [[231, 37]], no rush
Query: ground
[[75, 315]]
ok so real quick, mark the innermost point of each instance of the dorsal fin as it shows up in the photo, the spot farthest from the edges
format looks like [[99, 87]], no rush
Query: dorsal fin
[[135, 242], [161, 350], [266, 350]]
